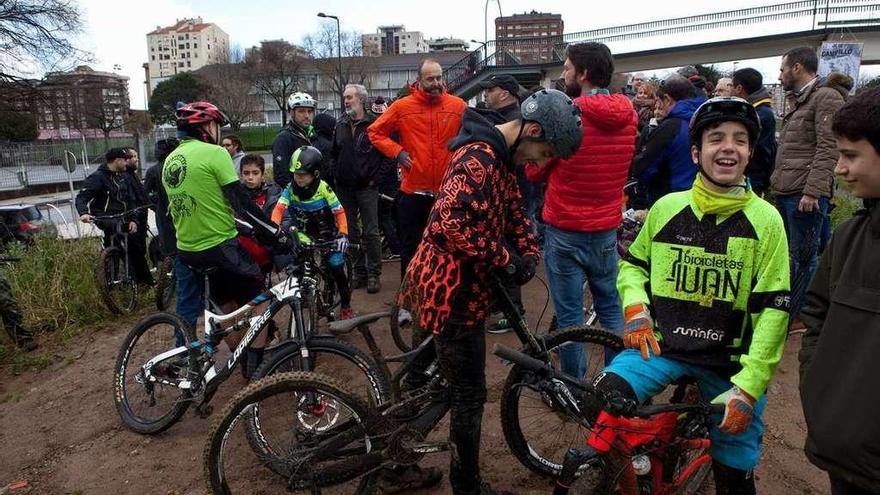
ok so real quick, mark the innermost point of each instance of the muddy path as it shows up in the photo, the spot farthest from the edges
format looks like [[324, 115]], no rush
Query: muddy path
[[59, 429]]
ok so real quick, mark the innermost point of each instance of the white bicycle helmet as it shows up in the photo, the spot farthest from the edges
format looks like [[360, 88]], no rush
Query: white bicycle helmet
[[301, 100]]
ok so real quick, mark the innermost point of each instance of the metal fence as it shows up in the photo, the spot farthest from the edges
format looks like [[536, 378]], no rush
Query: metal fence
[[26, 165]]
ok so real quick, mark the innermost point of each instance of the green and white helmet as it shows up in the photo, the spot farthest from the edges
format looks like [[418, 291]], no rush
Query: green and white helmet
[[301, 100]]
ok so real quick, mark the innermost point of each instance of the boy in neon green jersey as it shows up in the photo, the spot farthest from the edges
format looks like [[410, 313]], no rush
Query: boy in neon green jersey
[[705, 289]]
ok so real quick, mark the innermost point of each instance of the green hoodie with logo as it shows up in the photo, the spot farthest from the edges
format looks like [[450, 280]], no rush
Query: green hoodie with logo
[[714, 271]]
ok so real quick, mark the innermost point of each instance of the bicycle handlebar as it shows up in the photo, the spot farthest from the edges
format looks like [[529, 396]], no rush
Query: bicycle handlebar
[[121, 215], [535, 365]]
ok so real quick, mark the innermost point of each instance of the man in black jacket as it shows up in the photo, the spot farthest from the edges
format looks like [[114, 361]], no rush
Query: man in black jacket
[[110, 190], [838, 355], [748, 84], [501, 93], [357, 163], [293, 136]]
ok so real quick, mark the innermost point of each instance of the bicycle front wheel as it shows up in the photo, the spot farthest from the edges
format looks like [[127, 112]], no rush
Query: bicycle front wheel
[[537, 431], [294, 413], [151, 405], [118, 289]]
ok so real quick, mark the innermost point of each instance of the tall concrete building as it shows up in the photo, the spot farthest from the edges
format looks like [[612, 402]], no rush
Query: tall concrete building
[[187, 45], [528, 37], [447, 45], [393, 40]]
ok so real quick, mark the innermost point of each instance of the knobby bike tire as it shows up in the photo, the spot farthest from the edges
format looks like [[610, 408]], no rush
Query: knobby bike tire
[[123, 365], [166, 284], [110, 259], [403, 334], [695, 484], [510, 396], [281, 383]]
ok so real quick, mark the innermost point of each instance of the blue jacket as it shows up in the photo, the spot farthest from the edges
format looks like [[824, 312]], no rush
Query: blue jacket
[[664, 164], [764, 157]]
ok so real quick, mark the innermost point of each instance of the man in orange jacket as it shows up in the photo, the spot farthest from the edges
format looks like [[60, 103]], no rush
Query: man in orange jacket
[[426, 121]]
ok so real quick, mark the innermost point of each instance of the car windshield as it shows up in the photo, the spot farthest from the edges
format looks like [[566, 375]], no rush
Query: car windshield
[[31, 213]]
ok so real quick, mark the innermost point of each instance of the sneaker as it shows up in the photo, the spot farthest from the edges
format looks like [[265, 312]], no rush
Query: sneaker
[[346, 313], [500, 326], [373, 285], [391, 257], [405, 479]]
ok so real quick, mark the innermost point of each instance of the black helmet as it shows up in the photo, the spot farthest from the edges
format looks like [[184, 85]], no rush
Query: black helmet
[[724, 109], [558, 116], [306, 159]]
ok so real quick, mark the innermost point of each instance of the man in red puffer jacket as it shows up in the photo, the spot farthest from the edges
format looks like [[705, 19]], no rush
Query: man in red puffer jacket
[[584, 199]]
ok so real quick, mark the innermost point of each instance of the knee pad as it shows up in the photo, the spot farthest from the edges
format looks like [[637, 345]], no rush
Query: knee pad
[[336, 259], [731, 481], [612, 385]]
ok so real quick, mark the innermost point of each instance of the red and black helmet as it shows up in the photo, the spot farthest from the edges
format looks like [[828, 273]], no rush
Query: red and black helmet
[[200, 112]]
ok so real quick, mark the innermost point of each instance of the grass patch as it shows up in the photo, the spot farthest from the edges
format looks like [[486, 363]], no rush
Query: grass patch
[[845, 204], [257, 138], [54, 284]]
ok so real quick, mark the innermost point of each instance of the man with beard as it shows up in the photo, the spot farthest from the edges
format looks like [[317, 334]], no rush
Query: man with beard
[[293, 136], [584, 199], [471, 228], [426, 121], [803, 178], [357, 163]]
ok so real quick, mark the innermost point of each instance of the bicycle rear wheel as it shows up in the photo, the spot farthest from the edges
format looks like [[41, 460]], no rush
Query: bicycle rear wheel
[[294, 413], [149, 406], [118, 289], [537, 431]]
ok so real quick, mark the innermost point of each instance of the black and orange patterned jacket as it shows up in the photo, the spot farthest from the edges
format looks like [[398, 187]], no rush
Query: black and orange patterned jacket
[[478, 210]]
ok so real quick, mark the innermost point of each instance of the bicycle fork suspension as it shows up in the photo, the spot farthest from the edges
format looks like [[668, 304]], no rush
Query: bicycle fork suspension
[[574, 459]]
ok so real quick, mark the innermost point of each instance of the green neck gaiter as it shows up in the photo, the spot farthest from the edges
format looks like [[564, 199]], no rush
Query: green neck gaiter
[[716, 203]]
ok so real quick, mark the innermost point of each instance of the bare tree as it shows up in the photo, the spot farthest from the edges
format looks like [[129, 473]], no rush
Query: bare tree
[[274, 68], [322, 46], [231, 88], [38, 33], [106, 109]]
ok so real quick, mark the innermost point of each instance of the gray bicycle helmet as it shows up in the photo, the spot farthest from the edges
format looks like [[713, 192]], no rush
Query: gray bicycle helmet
[[558, 116]]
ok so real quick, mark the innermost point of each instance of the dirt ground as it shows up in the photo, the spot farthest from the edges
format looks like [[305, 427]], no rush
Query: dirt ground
[[60, 433]]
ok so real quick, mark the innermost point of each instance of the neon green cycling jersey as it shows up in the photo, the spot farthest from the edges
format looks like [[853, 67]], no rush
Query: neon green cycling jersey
[[717, 284]]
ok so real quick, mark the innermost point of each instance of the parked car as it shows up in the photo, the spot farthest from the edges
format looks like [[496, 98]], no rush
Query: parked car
[[22, 223]]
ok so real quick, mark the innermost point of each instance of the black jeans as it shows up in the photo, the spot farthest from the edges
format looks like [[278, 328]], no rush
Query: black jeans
[[412, 215], [840, 486], [362, 211], [462, 357], [388, 218]]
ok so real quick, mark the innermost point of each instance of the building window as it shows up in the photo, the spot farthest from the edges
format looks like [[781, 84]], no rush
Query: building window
[[195, 45], [152, 57], [189, 65], [180, 64]]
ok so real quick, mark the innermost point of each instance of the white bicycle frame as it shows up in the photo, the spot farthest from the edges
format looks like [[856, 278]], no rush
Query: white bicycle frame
[[284, 291]]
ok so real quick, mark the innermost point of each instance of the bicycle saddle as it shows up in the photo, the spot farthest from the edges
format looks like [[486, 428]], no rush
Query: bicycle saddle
[[341, 327]]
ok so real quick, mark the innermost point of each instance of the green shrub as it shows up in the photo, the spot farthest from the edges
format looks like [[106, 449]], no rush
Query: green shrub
[[54, 282]]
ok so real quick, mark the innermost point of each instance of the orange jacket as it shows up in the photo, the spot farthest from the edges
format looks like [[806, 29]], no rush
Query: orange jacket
[[426, 126]]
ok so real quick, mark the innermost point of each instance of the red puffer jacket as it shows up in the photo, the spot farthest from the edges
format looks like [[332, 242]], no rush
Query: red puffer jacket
[[585, 192]]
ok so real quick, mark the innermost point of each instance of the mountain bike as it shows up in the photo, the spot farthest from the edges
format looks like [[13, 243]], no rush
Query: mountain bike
[[113, 275], [163, 368], [638, 450], [316, 435], [313, 257]]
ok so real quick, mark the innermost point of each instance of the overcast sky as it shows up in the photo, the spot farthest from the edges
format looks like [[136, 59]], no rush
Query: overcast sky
[[116, 30]]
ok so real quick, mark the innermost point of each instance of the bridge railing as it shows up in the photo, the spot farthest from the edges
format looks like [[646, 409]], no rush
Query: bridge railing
[[812, 14]]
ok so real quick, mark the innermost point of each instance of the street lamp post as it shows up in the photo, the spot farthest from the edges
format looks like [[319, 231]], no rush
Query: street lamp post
[[486, 18], [338, 55]]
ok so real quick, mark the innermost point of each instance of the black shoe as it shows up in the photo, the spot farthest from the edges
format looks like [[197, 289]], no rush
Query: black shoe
[[404, 479], [373, 285], [500, 326]]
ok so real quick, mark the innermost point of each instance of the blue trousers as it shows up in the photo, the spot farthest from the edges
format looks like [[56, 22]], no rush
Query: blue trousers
[[649, 378], [570, 258], [804, 231]]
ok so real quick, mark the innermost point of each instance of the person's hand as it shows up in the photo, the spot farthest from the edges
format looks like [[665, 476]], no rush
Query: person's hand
[[404, 160], [739, 408], [342, 243], [638, 330], [808, 204], [525, 266], [132, 227], [86, 218]]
